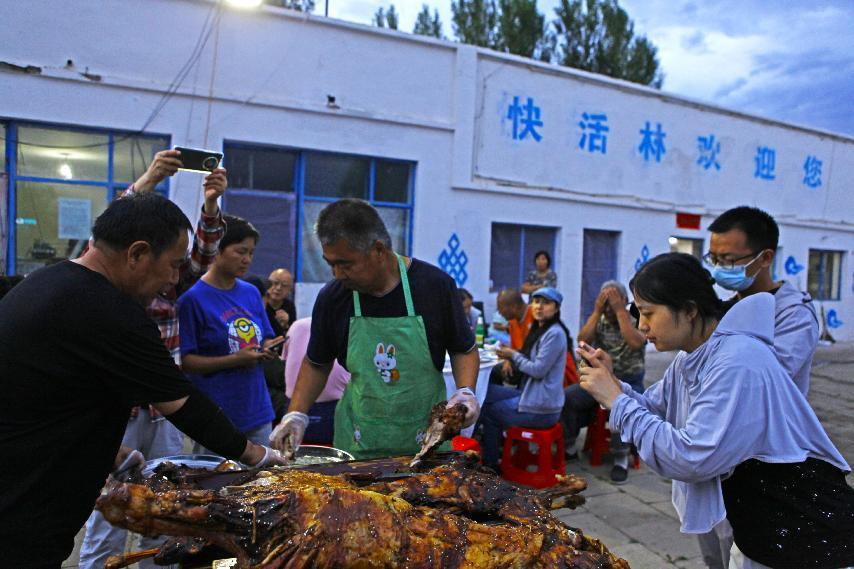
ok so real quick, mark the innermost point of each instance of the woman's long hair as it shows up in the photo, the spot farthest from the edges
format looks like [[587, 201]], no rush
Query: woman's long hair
[[680, 282], [539, 328]]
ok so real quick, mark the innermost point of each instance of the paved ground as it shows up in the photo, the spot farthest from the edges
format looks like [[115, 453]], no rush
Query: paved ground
[[637, 521]]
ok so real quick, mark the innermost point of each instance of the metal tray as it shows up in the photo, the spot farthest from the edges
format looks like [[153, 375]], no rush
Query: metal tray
[[209, 461]]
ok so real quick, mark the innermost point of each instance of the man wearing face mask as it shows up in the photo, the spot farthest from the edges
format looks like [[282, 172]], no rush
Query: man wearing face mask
[[741, 253]]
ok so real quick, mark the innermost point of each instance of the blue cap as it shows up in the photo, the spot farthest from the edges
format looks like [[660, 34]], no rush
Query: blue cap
[[550, 293]]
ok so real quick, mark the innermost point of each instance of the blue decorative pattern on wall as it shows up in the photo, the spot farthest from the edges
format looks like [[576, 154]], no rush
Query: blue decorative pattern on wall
[[453, 261], [792, 267], [644, 257], [833, 320]]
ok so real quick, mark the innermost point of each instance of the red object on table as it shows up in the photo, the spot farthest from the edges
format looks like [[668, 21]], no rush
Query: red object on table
[[533, 456], [464, 444], [687, 220], [598, 439]]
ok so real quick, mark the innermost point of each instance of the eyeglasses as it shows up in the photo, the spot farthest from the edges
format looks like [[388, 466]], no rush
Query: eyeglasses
[[725, 263]]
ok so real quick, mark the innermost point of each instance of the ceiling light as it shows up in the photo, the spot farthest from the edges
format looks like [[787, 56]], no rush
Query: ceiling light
[[672, 240], [65, 168]]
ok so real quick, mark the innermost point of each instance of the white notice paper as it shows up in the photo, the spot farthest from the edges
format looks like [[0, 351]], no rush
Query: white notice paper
[[75, 218]]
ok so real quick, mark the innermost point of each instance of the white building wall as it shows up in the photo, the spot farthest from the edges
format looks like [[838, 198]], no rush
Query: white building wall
[[265, 77]]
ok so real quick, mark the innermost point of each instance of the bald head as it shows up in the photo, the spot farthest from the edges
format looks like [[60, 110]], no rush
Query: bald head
[[281, 285], [510, 304]]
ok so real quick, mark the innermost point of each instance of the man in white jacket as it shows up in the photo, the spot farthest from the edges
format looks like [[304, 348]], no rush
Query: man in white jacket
[[741, 251]]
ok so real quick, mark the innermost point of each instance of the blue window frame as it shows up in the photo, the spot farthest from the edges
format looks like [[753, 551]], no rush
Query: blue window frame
[[282, 190], [512, 252], [59, 179], [824, 277]]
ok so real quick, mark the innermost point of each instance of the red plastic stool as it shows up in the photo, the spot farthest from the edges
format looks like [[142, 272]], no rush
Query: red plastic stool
[[535, 467], [598, 439], [464, 444]]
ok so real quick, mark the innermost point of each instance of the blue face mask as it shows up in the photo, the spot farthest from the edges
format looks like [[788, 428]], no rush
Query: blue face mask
[[735, 278]]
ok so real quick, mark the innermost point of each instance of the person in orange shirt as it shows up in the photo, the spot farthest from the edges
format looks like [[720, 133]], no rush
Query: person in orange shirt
[[519, 317]]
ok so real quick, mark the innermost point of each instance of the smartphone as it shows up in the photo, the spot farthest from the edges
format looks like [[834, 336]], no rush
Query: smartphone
[[276, 346], [199, 160]]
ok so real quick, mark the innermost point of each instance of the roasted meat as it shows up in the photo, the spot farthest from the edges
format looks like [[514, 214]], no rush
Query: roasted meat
[[452, 516], [445, 424]]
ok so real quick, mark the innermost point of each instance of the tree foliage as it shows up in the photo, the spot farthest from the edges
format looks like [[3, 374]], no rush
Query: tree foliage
[[386, 18], [475, 22], [299, 5], [522, 30], [427, 25], [598, 36]]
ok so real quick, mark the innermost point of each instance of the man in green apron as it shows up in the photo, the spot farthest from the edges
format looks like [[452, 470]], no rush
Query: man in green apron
[[389, 320]]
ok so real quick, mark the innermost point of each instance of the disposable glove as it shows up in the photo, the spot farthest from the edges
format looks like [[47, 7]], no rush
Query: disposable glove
[[271, 457], [288, 434], [467, 397]]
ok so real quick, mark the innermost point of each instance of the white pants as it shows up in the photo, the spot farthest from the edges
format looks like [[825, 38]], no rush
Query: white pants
[[154, 440]]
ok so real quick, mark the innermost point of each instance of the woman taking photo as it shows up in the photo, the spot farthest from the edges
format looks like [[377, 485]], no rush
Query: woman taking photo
[[727, 424], [225, 335], [541, 361]]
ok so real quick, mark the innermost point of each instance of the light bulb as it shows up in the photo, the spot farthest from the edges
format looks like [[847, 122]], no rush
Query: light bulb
[[65, 171], [672, 240]]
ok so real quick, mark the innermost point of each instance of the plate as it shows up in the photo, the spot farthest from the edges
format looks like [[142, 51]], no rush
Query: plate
[[209, 461]]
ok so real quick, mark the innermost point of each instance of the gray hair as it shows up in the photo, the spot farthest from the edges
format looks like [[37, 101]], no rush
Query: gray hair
[[353, 220], [617, 285]]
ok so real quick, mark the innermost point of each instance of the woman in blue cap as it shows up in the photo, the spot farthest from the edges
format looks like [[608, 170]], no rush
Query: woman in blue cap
[[541, 360]]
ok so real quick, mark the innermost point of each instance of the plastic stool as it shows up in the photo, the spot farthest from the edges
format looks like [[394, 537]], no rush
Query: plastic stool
[[465, 444], [533, 456], [598, 440]]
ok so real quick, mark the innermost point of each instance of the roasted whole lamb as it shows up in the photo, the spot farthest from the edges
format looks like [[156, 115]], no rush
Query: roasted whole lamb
[[454, 515]]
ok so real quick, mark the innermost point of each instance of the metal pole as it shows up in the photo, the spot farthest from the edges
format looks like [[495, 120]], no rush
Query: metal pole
[[326, 9]]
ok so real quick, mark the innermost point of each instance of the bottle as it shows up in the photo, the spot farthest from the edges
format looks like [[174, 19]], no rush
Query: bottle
[[478, 334]]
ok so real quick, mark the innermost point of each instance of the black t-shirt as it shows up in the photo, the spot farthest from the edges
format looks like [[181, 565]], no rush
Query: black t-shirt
[[75, 355], [287, 306], [434, 297]]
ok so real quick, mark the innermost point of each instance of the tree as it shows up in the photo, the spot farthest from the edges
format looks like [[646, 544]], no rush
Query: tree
[[598, 36], [298, 5], [521, 29], [475, 22], [426, 25], [386, 19]]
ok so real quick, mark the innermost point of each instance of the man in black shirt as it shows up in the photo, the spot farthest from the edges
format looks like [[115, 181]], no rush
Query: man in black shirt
[[389, 320], [77, 351]]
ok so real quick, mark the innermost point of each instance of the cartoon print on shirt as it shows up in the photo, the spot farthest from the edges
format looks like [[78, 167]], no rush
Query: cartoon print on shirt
[[242, 333], [386, 363]]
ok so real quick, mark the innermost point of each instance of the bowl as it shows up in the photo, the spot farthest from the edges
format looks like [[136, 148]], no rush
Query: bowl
[[208, 461], [316, 454]]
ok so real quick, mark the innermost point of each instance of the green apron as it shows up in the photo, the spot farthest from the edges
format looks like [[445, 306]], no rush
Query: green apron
[[393, 383]]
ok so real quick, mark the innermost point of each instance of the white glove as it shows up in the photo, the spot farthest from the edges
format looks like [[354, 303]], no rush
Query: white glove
[[271, 457], [288, 434], [467, 397]]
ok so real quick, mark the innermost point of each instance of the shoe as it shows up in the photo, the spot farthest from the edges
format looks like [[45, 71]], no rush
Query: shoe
[[571, 455], [619, 475]]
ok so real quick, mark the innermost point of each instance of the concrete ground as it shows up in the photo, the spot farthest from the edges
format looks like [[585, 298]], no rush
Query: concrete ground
[[637, 521]]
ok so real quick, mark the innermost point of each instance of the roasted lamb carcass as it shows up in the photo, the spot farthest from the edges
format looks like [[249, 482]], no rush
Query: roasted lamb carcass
[[445, 424], [286, 518]]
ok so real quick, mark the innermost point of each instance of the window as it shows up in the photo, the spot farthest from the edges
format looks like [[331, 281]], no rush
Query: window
[[269, 185], [825, 271], [512, 252], [60, 180], [685, 245]]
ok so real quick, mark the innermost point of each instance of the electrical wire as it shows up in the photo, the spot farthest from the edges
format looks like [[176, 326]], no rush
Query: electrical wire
[[211, 23]]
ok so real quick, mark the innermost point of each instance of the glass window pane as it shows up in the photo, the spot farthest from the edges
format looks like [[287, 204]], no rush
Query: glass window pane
[[54, 221], [273, 170], [684, 245], [132, 155], [314, 268], [62, 154], [813, 276], [328, 175], [3, 134], [833, 272], [538, 239], [391, 183], [237, 162], [396, 220]]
